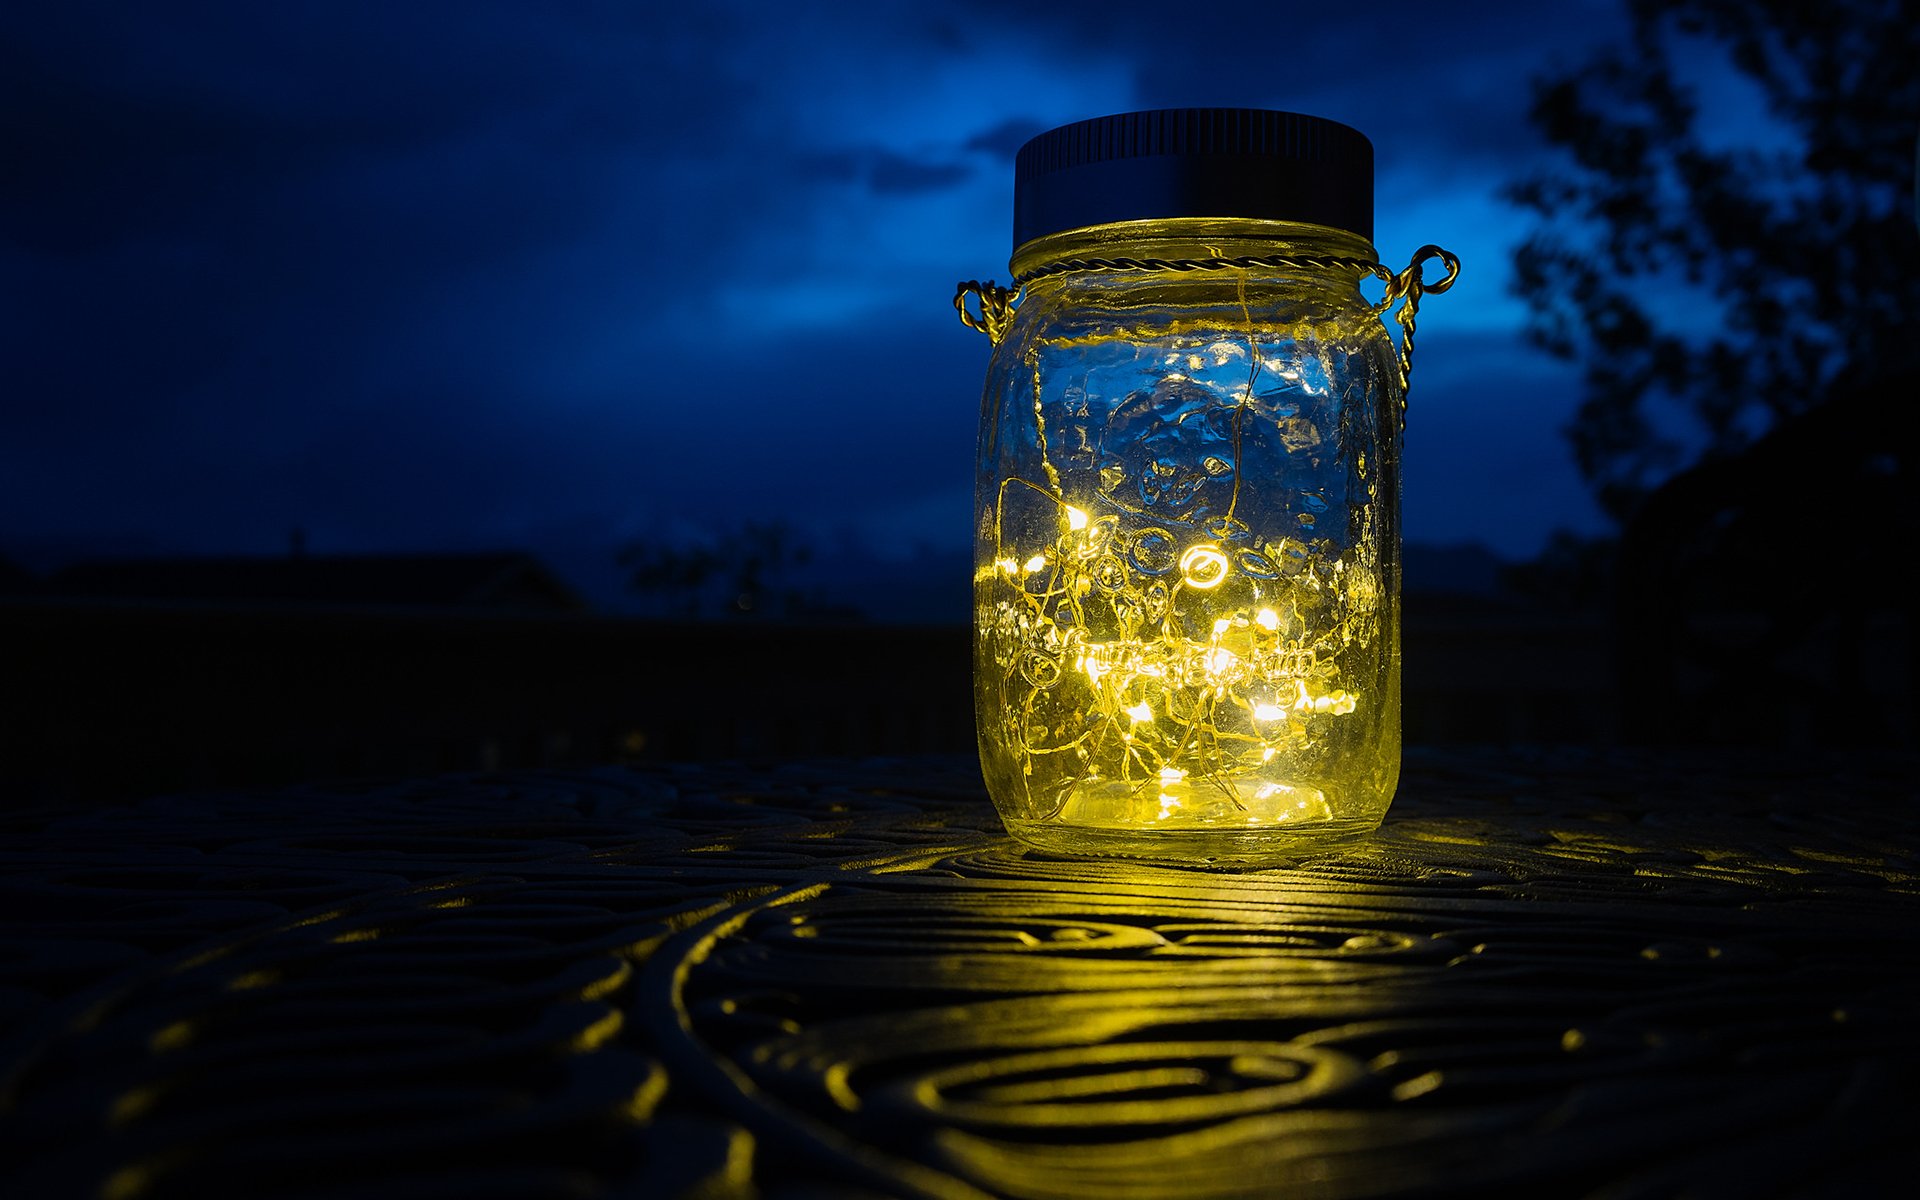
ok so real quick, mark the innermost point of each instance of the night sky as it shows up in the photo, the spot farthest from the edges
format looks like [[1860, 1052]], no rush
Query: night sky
[[455, 276]]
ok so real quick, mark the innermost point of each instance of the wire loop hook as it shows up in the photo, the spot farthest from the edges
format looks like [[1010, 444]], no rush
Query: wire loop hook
[[996, 307]]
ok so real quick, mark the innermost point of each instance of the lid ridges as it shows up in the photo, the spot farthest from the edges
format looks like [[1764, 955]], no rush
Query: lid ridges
[[1202, 162]]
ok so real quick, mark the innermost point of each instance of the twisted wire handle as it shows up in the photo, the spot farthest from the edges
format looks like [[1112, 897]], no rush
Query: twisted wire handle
[[1408, 286], [1405, 288], [1244, 261]]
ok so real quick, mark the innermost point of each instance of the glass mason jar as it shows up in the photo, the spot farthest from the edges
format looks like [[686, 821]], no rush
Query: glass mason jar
[[1187, 512]]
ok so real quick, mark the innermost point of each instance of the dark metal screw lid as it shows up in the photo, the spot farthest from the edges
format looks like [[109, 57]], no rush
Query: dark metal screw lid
[[1194, 162]]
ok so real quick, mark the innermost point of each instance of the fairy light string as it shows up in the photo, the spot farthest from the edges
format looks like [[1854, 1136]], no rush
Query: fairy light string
[[1166, 662]]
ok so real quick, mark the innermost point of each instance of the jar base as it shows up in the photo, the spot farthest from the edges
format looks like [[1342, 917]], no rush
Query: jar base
[[1270, 846]]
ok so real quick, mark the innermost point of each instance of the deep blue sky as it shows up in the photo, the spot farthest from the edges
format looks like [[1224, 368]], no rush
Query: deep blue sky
[[432, 275]]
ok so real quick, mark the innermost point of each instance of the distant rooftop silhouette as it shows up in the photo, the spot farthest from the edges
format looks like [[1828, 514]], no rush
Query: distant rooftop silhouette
[[499, 582]]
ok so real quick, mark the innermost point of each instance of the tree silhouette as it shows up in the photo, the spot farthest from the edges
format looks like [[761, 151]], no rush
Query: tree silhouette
[[742, 572], [674, 577], [1711, 292]]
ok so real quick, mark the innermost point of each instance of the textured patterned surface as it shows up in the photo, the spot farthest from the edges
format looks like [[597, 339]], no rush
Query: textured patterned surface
[[1552, 974]]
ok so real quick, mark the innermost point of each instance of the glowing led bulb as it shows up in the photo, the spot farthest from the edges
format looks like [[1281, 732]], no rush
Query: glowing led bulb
[[1204, 567]]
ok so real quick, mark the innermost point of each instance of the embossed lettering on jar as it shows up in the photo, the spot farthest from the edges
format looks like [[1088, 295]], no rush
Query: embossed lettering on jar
[[1187, 522]]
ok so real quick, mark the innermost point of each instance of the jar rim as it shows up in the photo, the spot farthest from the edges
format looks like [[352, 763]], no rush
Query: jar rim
[[1157, 245]]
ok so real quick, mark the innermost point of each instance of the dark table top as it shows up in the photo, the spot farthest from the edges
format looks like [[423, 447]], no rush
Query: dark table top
[[1553, 972]]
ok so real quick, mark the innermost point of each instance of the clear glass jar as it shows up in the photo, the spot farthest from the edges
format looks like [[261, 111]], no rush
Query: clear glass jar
[[1187, 542]]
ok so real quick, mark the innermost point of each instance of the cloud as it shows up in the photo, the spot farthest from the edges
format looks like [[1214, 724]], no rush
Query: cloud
[[1004, 139], [1443, 87], [895, 174], [440, 272], [883, 171]]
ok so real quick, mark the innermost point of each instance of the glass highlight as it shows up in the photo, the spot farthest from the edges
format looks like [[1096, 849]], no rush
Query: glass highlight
[[1186, 588]]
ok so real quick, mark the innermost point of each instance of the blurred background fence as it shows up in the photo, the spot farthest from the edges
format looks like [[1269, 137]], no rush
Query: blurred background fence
[[115, 698]]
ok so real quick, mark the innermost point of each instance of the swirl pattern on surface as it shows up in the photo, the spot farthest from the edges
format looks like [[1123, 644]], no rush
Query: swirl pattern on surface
[[1564, 972]]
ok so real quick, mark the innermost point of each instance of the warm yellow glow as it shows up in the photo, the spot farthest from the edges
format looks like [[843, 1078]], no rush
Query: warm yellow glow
[[253, 979], [1201, 641], [131, 1105], [599, 1033], [1204, 567], [127, 1183], [1219, 662], [645, 1098], [1144, 661], [609, 983]]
